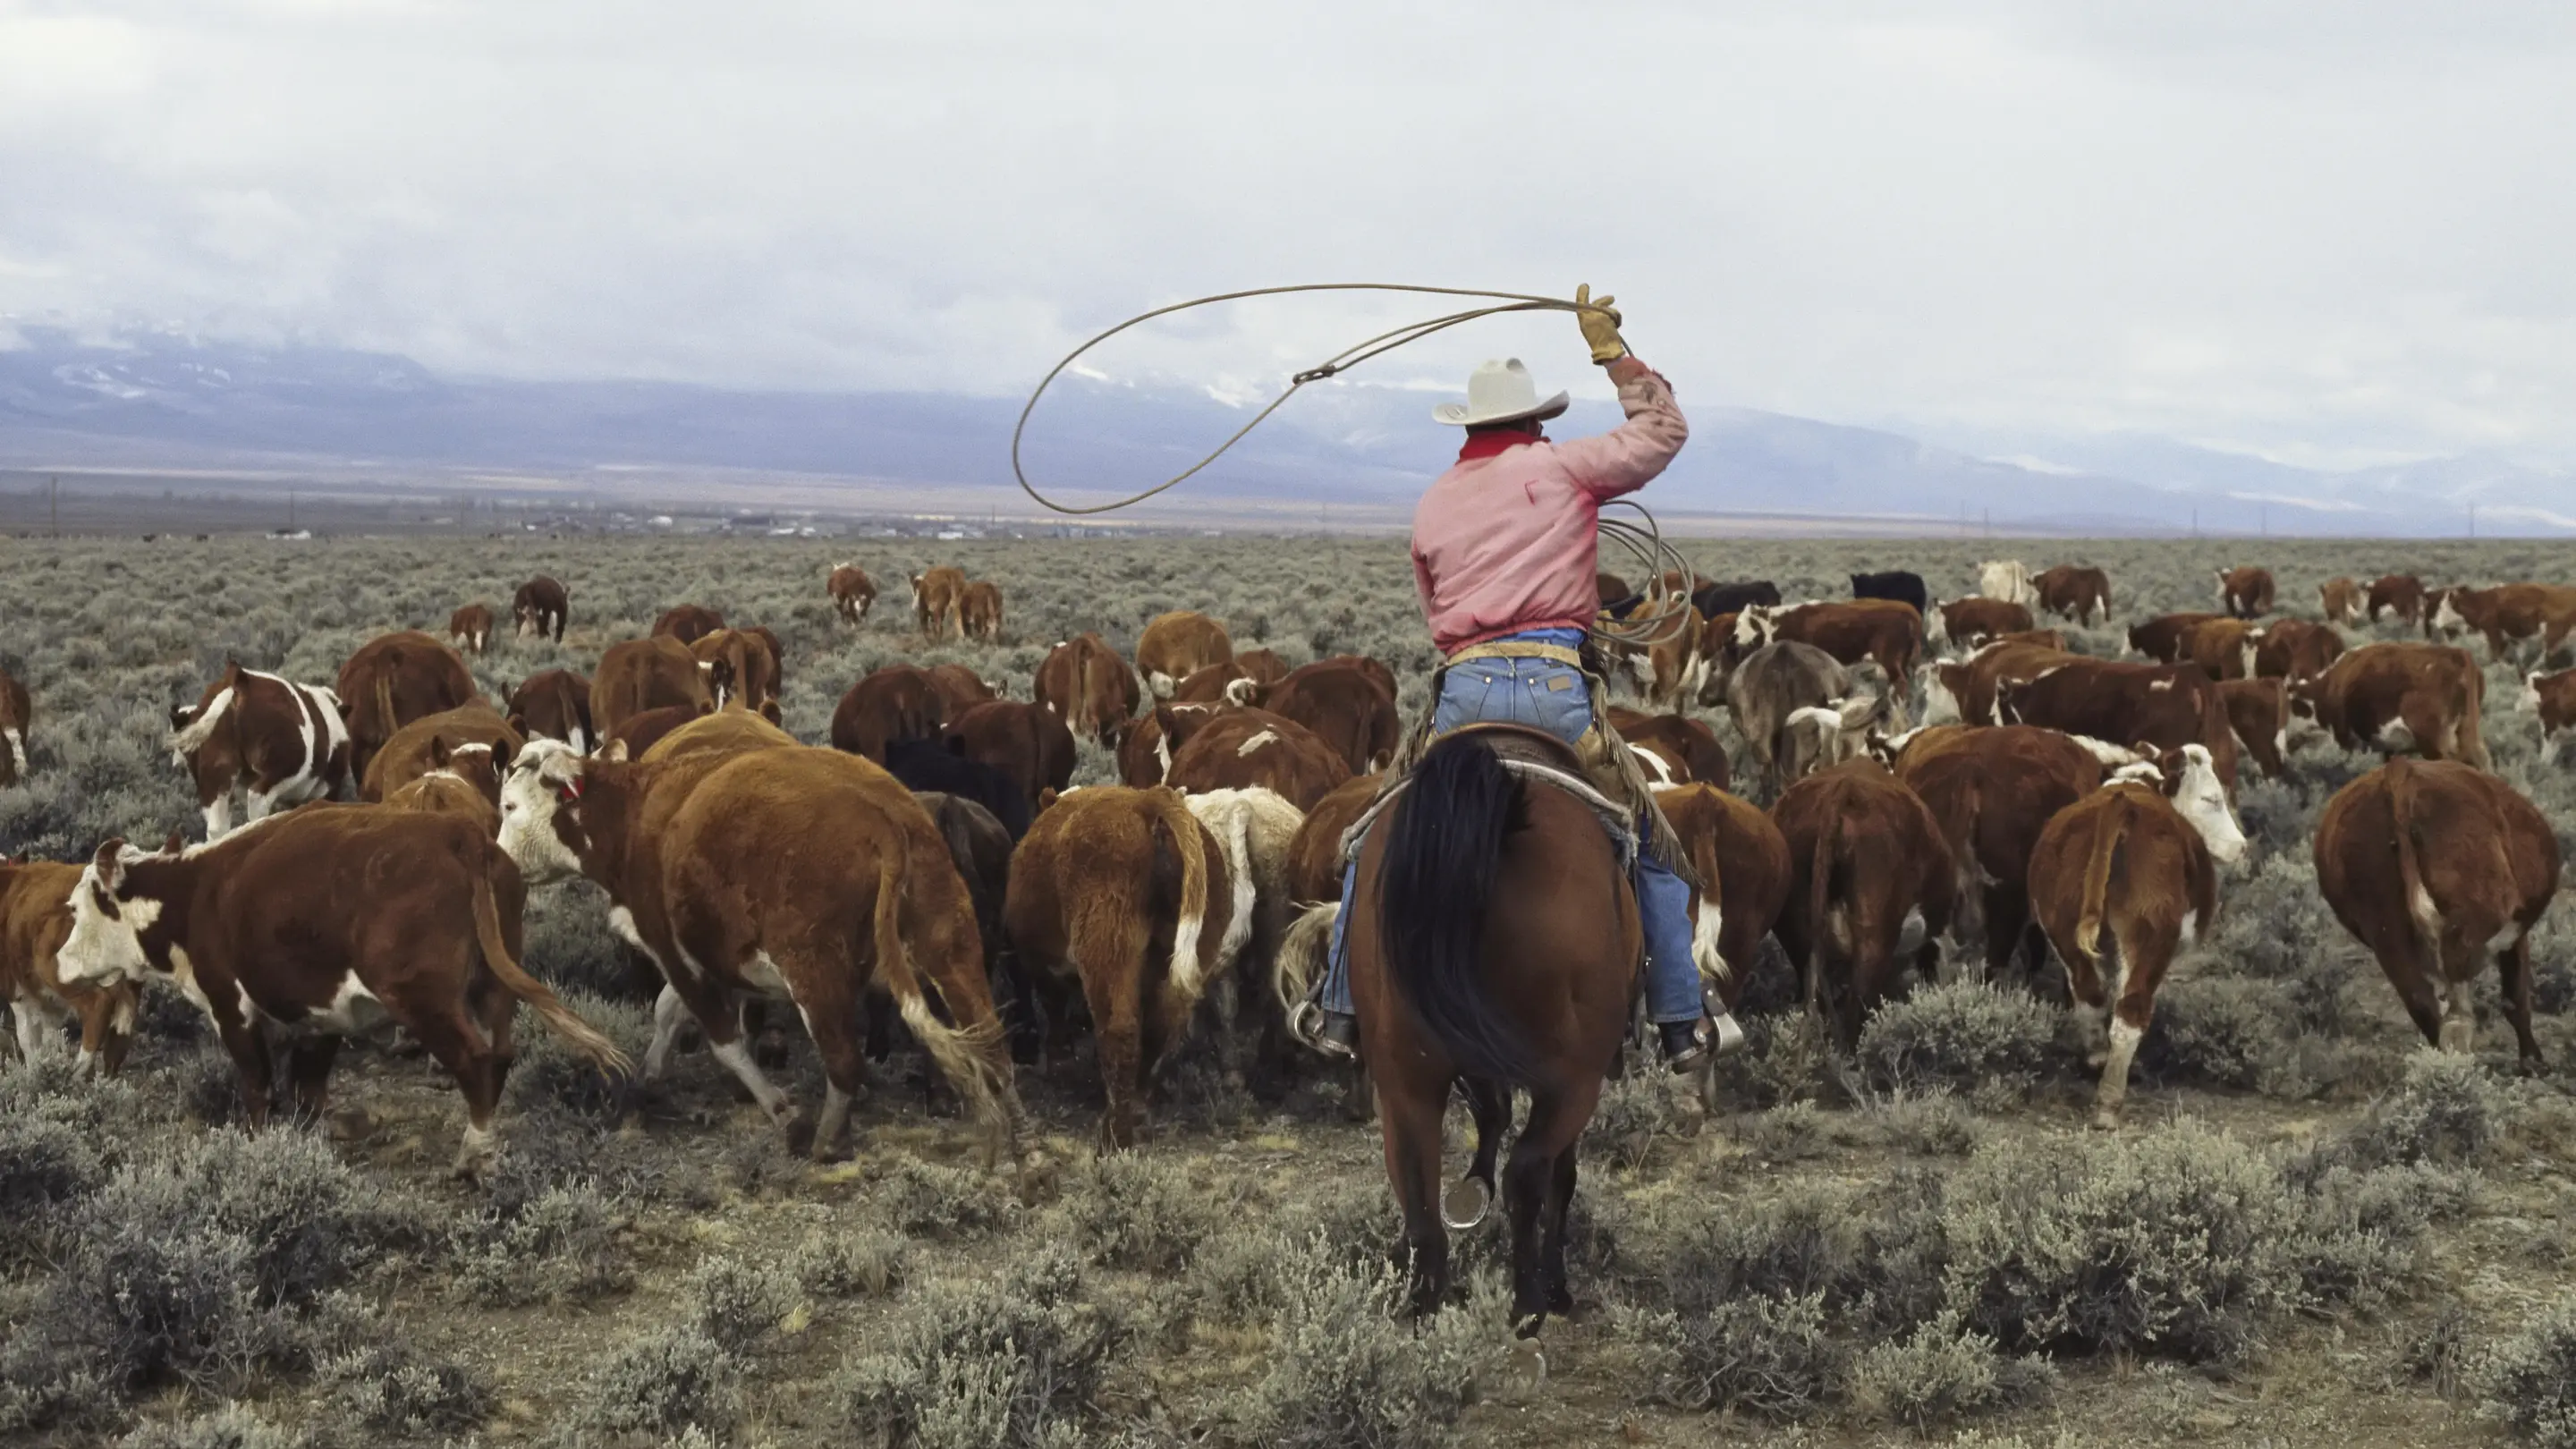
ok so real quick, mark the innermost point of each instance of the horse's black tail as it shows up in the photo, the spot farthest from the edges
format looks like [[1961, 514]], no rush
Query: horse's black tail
[[1444, 846]]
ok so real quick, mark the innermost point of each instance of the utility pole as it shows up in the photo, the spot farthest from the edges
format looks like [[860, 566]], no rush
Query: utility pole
[[2473, 519], [54, 507]]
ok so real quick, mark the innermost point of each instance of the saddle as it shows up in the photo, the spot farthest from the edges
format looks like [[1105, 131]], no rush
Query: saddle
[[1533, 755]]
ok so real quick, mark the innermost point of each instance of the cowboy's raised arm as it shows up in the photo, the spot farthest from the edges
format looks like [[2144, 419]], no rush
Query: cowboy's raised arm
[[1627, 457]]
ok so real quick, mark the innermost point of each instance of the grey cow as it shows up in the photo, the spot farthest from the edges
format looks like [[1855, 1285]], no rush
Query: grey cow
[[1796, 708]]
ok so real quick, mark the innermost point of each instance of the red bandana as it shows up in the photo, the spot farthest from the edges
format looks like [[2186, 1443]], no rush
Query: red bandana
[[1497, 443]]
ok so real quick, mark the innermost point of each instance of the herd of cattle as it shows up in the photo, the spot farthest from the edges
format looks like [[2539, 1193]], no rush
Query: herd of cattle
[[934, 865]]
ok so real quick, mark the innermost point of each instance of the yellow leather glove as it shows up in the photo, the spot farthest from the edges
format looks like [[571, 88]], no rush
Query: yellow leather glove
[[1600, 329]]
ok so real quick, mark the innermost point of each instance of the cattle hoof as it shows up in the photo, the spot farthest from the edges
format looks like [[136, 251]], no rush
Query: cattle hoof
[[2106, 1119], [1464, 1205], [800, 1135], [348, 1124], [1525, 1371]]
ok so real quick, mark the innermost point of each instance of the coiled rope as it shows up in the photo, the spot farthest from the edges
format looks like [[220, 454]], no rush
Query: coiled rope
[[1655, 619]]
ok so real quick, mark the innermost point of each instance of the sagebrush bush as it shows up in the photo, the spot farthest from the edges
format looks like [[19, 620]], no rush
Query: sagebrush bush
[[1781, 1061], [562, 1246], [952, 1204], [1346, 1370], [1939, 1374], [2448, 1109], [230, 1427], [1130, 1210], [1965, 1035], [1770, 1356], [671, 1380], [2224, 1032], [548, 1075], [1638, 1115], [740, 1304], [388, 1388], [2440, 1353], [2531, 1379], [1933, 1124], [1015, 1359], [2176, 1241], [865, 1262]]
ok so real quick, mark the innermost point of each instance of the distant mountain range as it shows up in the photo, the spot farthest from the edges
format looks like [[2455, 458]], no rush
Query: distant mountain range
[[160, 403]]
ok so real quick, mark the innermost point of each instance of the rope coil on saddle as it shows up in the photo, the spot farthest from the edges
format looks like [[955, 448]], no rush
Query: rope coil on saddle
[[1664, 609]]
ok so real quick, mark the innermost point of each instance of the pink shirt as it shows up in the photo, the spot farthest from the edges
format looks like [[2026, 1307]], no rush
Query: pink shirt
[[1503, 541]]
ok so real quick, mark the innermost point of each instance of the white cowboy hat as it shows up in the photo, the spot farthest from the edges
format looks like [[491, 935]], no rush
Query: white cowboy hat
[[1498, 392]]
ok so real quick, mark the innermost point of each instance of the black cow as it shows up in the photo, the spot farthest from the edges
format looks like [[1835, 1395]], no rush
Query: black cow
[[1897, 584], [1714, 599], [930, 765]]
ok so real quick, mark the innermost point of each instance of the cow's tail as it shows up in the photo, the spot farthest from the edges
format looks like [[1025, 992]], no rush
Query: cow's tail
[[1082, 718], [1963, 844], [965, 1055], [2097, 879], [188, 741], [2471, 743], [2421, 913], [1707, 919], [17, 749], [385, 705], [585, 1039], [1185, 980], [1820, 900], [1304, 952]]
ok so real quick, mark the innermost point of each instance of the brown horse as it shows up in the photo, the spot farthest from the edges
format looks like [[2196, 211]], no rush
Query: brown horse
[[1498, 946]]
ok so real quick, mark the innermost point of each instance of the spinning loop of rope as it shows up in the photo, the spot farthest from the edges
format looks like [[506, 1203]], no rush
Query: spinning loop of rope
[[1664, 607]]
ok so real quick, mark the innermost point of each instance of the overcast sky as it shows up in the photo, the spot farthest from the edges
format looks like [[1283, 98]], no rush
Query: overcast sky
[[2333, 232]]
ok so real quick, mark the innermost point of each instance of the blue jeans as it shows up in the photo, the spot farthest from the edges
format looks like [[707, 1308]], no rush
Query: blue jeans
[[1553, 697]]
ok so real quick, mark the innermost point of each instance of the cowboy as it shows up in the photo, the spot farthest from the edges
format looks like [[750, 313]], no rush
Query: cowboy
[[1503, 553]]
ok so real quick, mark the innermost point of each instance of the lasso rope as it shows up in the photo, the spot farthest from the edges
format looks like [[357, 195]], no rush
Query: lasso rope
[[1654, 620]]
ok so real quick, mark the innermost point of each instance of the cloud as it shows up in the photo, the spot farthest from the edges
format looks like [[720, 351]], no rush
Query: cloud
[[2328, 229]]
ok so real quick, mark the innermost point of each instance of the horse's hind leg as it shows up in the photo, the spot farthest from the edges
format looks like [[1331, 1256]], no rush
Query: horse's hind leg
[[1490, 1103], [1541, 1168], [1560, 1291], [1409, 1124]]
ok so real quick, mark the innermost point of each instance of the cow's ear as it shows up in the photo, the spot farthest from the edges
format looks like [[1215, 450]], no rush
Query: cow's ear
[[502, 753], [439, 753], [109, 862], [614, 752], [173, 843], [1046, 797]]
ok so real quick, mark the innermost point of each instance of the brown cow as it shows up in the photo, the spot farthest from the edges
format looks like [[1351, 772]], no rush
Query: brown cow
[[1991, 791], [408, 755], [2435, 866], [2258, 712], [960, 688], [541, 605], [2296, 649], [2166, 638], [465, 783], [1610, 588], [1237, 749], [896, 703], [640, 733], [2167, 706], [853, 592], [1127, 892], [939, 602], [1677, 660], [2129, 861], [2395, 596], [1087, 685], [17, 712], [555, 704], [1346, 701], [640, 674], [2507, 613], [741, 668], [35, 921], [1023, 741], [1864, 855], [2038, 638], [1178, 644], [979, 612], [392, 680], [1315, 853], [2553, 698], [470, 628], [2223, 648], [687, 623], [2074, 593], [1264, 666], [1209, 685], [2392, 697], [323, 922], [1971, 622], [285, 743], [2340, 599], [1964, 692], [2245, 593], [781, 872], [1674, 749], [724, 733], [1884, 631], [1731, 842]]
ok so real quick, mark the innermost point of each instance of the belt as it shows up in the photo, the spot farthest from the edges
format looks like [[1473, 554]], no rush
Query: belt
[[1510, 649]]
